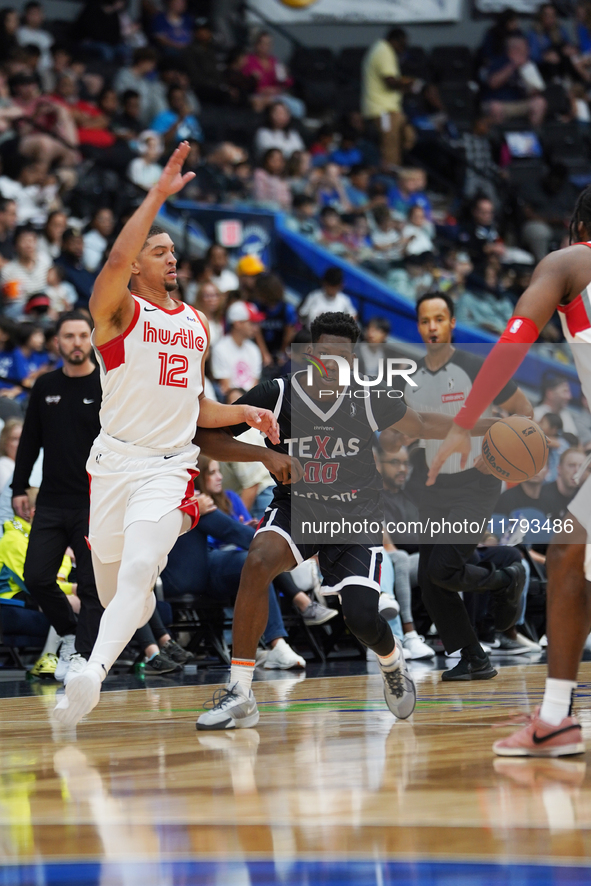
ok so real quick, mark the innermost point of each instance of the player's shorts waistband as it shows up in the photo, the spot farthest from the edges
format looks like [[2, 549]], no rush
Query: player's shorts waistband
[[134, 451]]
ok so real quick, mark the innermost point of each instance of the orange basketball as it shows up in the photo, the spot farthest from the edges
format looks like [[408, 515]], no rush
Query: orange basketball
[[515, 449]]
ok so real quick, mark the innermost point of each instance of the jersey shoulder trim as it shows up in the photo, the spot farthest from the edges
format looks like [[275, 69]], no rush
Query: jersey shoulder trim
[[112, 354], [180, 305]]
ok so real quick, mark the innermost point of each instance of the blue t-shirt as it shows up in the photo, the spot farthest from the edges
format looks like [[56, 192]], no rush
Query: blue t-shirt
[[512, 89], [24, 366], [276, 319], [188, 127], [347, 156], [401, 204], [584, 38], [181, 34], [8, 377], [239, 509], [541, 43], [356, 197]]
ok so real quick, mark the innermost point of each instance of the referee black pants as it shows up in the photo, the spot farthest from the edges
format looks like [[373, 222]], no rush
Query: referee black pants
[[53, 531], [449, 568]]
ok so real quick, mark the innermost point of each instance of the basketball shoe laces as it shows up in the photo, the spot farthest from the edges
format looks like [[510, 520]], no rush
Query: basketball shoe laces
[[395, 680], [221, 697]]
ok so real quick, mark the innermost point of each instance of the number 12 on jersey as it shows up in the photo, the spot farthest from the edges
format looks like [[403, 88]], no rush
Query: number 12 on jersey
[[173, 369]]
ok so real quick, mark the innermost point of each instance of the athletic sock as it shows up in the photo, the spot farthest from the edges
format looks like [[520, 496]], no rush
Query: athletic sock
[[98, 667], [52, 644], [558, 697], [242, 672], [474, 650], [389, 662]]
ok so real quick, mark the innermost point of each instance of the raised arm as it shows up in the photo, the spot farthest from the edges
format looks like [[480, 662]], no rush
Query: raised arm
[[553, 280], [111, 303]]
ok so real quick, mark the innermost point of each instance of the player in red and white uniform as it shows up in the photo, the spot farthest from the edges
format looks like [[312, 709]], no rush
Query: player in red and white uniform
[[151, 350], [562, 281]]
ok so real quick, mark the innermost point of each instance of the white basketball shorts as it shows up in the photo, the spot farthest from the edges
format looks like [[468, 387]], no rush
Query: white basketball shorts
[[128, 484]]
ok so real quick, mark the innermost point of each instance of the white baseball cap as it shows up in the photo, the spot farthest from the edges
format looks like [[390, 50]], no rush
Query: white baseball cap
[[243, 310]]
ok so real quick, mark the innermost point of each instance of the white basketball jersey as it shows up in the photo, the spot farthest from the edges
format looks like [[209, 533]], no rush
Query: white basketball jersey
[[152, 377], [576, 326]]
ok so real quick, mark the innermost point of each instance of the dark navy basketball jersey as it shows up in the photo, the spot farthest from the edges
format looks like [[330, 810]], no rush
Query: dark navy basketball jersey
[[331, 439]]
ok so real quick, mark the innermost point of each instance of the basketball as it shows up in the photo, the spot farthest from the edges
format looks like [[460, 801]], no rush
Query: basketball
[[298, 4], [515, 448]]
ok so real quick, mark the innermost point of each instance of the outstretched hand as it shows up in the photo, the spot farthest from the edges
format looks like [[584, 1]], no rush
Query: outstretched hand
[[458, 440], [172, 180], [264, 421]]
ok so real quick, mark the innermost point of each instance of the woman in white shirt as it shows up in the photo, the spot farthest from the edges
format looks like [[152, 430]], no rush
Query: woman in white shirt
[[145, 171], [278, 133]]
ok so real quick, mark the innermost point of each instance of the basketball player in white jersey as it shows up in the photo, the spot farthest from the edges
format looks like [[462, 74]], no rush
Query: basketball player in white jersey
[[562, 281], [151, 350]]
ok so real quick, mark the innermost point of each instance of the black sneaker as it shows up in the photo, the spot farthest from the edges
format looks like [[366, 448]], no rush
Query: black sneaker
[[470, 668], [507, 602], [161, 664], [176, 652]]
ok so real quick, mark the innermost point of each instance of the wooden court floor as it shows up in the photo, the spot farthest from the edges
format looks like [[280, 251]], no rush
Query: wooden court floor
[[328, 778]]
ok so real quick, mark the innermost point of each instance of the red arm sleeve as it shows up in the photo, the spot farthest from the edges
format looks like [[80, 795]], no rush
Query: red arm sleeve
[[498, 368]]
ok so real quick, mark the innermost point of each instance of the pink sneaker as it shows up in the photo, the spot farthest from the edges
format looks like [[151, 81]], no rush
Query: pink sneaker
[[539, 739]]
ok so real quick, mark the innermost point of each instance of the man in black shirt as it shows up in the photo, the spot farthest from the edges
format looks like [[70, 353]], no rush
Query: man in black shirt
[[442, 382], [63, 419], [555, 497], [524, 495], [330, 428]]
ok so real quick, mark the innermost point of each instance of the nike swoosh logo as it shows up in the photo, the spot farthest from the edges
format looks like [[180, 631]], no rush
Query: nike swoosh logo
[[150, 309], [88, 401], [541, 739], [169, 456]]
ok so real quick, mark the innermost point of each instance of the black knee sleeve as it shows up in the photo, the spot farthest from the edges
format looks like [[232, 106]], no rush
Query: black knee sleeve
[[362, 617]]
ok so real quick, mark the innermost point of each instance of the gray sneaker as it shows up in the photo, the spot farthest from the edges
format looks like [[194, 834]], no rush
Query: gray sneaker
[[229, 709], [504, 645], [317, 614], [399, 687]]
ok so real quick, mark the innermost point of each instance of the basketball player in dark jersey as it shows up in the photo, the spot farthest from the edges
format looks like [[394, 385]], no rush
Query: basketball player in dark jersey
[[339, 482], [443, 381], [562, 282]]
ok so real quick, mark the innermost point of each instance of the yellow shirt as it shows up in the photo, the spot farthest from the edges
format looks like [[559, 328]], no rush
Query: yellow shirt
[[377, 99]]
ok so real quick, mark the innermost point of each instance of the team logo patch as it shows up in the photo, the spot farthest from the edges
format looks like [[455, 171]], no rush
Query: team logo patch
[[52, 400]]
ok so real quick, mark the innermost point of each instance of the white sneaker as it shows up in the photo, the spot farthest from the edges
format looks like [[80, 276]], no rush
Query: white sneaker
[[77, 665], [82, 696], [525, 641], [282, 657], [229, 709], [388, 606], [416, 646], [67, 649], [544, 642], [400, 693]]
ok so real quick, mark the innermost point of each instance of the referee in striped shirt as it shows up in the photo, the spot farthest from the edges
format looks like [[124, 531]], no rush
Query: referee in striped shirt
[[444, 379]]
